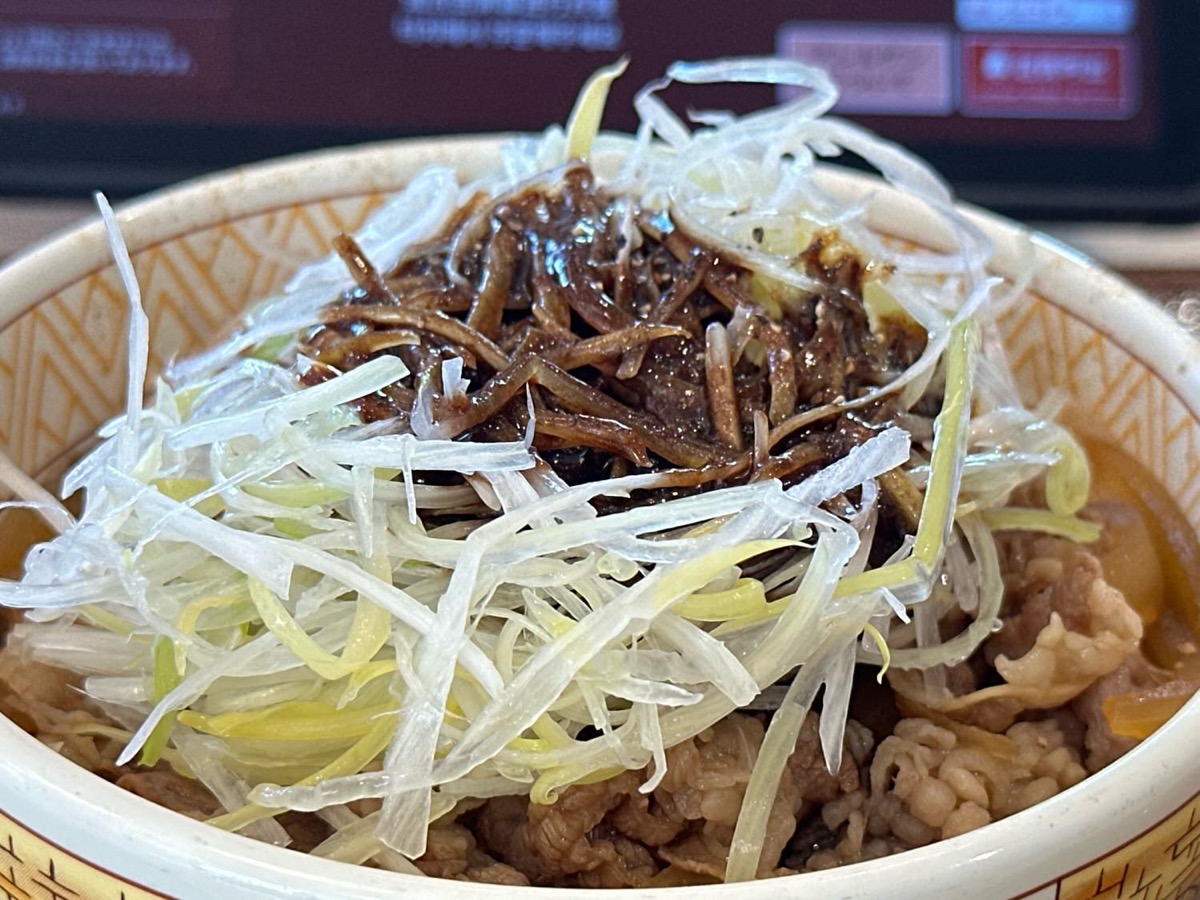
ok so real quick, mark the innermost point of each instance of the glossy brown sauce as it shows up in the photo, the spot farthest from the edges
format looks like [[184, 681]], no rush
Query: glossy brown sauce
[[20, 529], [640, 349], [1150, 552]]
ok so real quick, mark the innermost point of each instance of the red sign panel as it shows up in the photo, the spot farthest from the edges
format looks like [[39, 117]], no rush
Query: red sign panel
[[1071, 78]]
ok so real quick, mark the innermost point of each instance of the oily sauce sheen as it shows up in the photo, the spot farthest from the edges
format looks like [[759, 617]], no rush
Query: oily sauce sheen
[[638, 348]]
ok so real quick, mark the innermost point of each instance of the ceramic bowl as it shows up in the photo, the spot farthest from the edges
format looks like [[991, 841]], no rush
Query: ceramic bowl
[[204, 250]]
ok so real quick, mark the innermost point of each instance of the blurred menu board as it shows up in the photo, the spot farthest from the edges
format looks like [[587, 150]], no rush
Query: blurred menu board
[[218, 81], [423, 64]]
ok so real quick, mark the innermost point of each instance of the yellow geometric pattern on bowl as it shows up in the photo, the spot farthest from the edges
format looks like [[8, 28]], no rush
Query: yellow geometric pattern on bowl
[[62, 372], [1163, 864], [62, 364], [31, 868], [1112, 394]]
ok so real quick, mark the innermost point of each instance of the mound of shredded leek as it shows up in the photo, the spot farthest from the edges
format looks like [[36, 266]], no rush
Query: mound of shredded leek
[[252, 588]]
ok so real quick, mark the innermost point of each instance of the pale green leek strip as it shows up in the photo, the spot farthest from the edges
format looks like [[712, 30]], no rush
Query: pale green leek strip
[[551, 732], [778, 745], [372, 625], [954, 650], [294, 720], [297, 496], [183, 489], [271, 349], [745, 598], [364, 676], [892, 576], [189, 616], [584, 124], [353, 761], [541, 613], [280, 622], [1042, 520], [881, 305], [1068, 481], [767, 613], [103, 619], [884, 650], [529, 745], [945, 471], [949, 448], [694, 575], [189, 619], [295, 529], [775, 655], [546, 787], [370, 630], [354, 841], [546, 679], [121, 736], [166, 678], [185, 397]]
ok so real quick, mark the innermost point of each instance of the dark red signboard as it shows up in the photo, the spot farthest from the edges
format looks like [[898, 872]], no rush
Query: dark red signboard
[[1089, 78]]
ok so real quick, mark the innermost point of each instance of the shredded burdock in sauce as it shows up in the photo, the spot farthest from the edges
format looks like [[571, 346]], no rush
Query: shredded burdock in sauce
[[635, 514], [630, 346]]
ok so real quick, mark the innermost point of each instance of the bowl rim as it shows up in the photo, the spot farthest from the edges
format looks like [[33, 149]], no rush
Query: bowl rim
[[73, 795], [229, 195]]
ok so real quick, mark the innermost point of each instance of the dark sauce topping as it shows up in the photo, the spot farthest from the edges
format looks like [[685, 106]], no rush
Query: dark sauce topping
[[639, 348]]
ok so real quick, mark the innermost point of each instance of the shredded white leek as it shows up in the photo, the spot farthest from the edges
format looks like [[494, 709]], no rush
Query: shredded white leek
[[257, 575]]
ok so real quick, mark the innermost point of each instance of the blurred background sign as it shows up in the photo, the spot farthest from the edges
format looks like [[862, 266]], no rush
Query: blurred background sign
[[1063, 108]]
